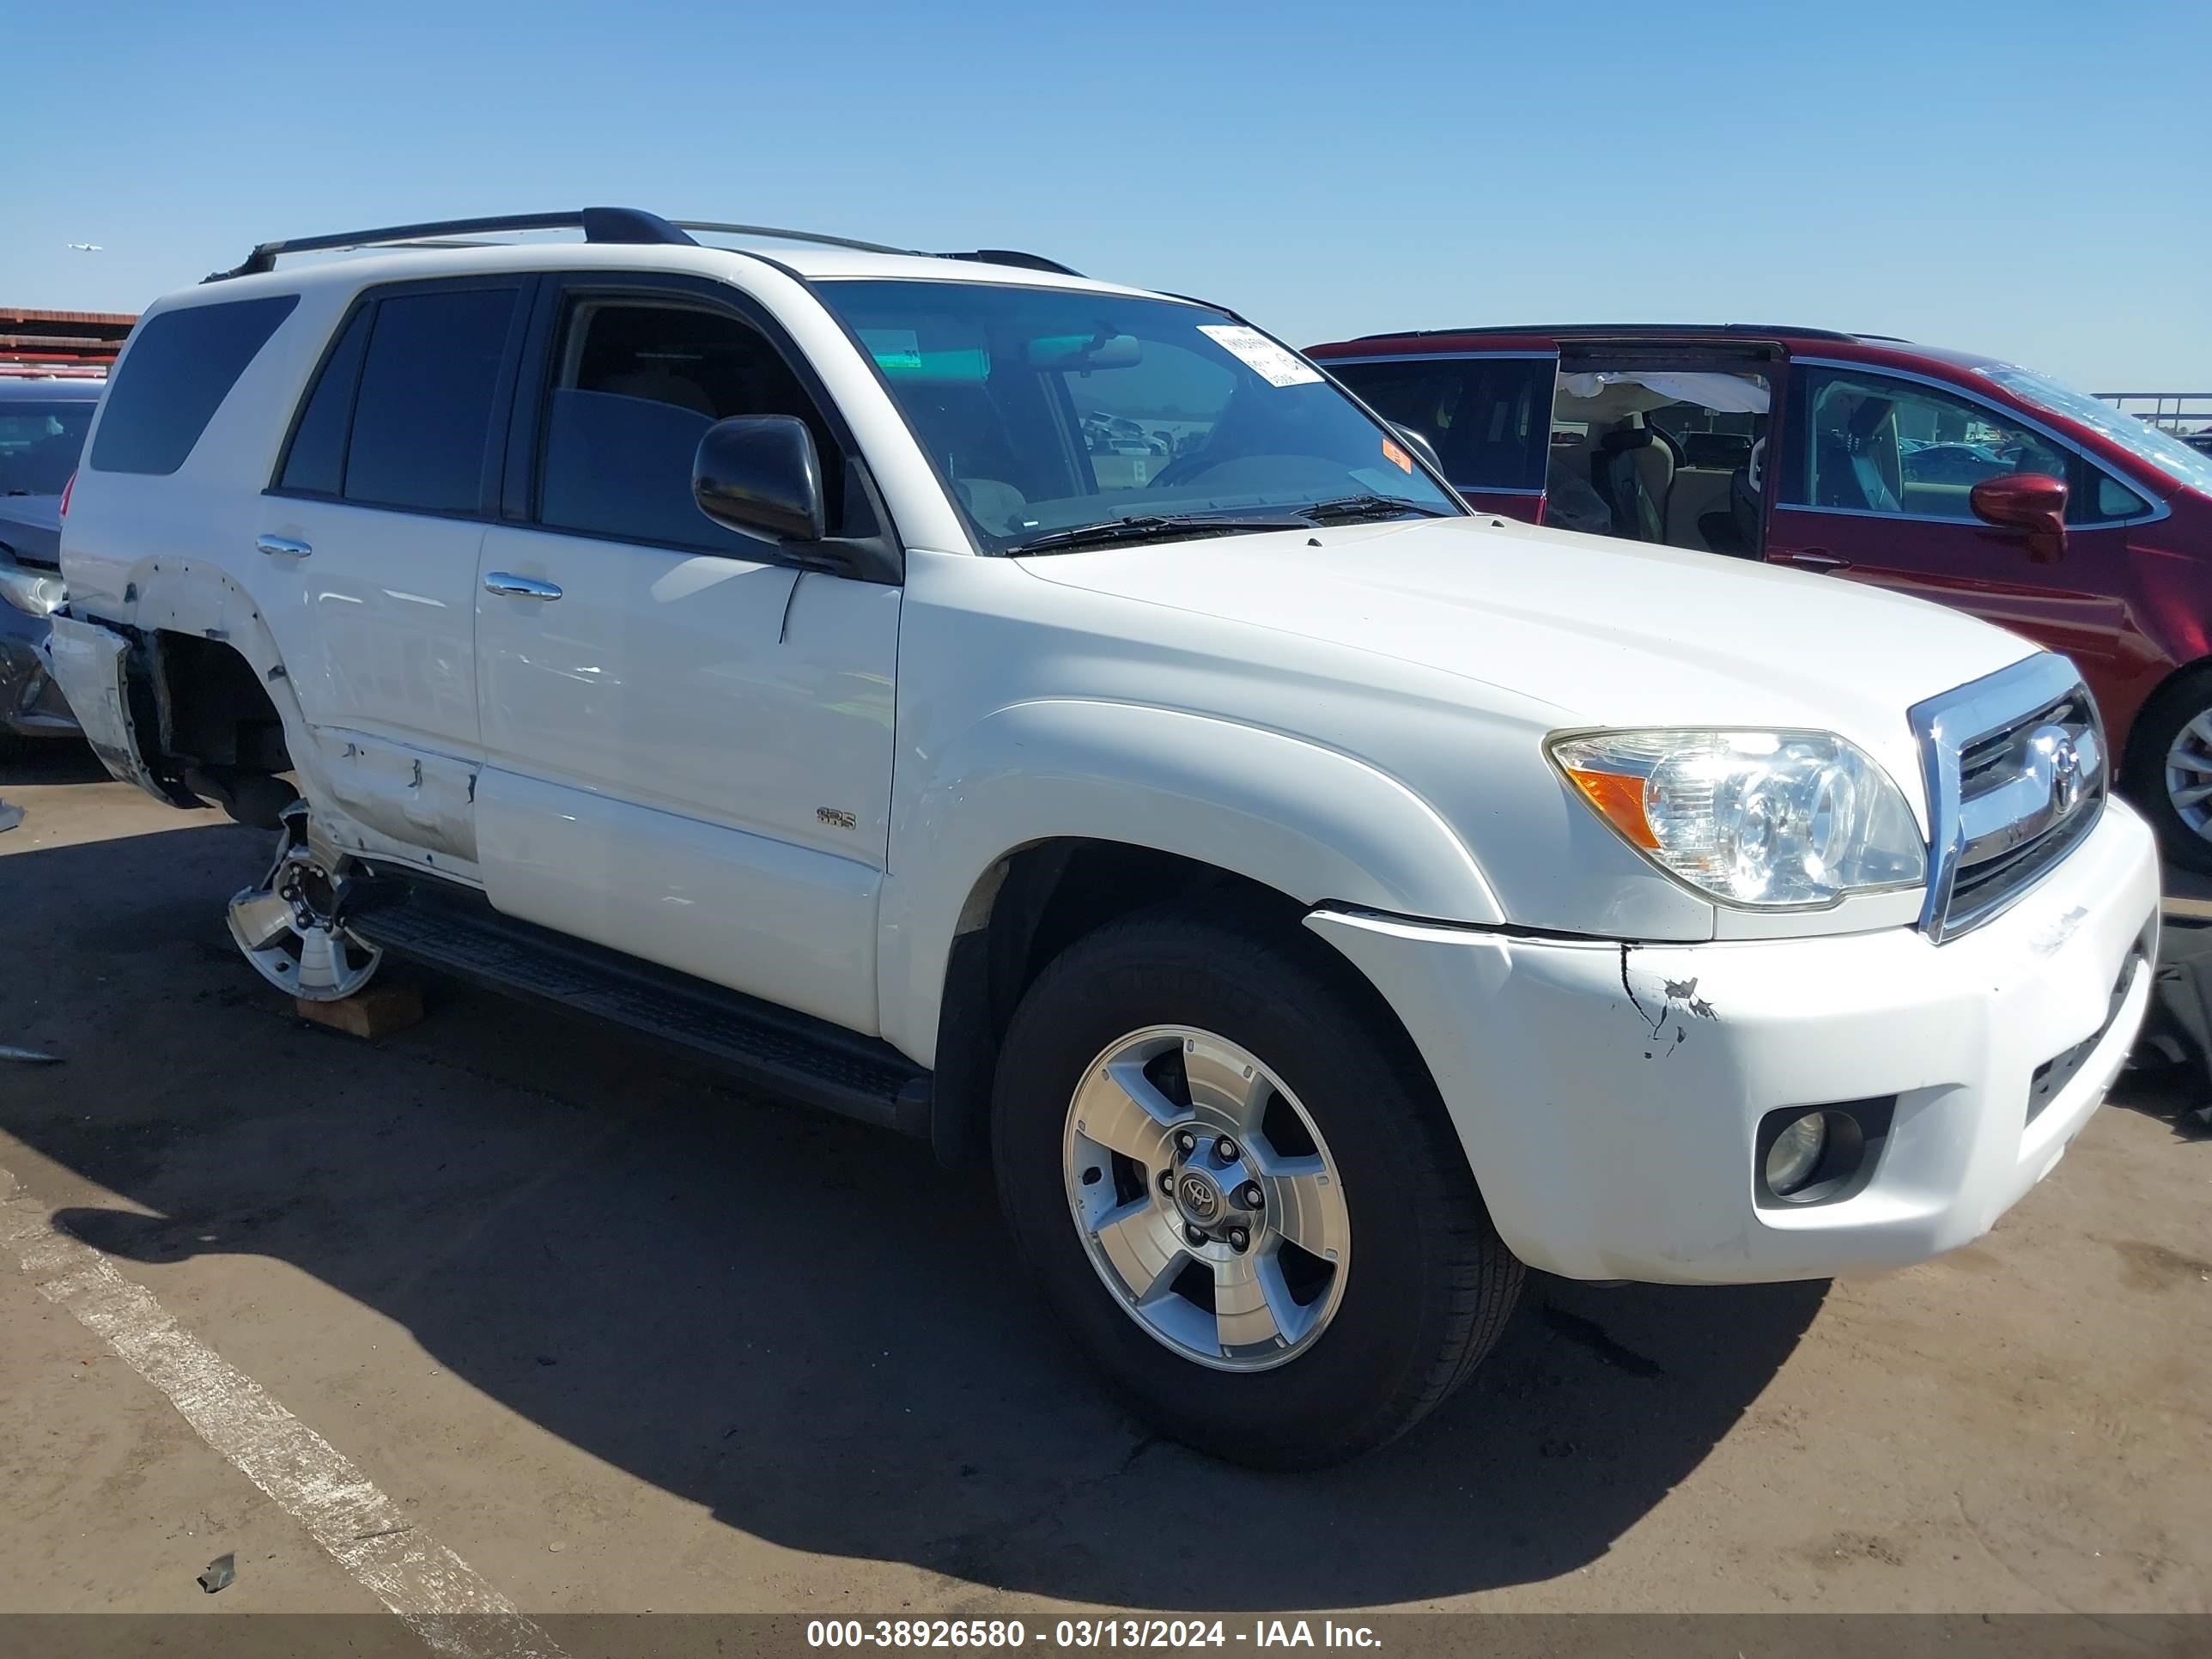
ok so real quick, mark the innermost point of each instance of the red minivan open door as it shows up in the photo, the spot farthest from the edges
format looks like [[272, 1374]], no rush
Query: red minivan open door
[[1485, 410]]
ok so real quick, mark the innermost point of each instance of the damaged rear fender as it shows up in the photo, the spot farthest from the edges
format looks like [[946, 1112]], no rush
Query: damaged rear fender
[[370, 794]]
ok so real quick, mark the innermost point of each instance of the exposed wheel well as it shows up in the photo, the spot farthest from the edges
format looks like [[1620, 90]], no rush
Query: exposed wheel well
[[219, 731], [1033, 904]]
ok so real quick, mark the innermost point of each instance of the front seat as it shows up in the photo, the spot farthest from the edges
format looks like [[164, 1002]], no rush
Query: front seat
[[1736, 529], [1633, 468], [1848, 473]]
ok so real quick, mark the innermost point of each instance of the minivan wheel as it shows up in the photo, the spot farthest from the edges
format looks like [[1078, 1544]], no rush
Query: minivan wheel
[[2169, 773], [1245, 1203]]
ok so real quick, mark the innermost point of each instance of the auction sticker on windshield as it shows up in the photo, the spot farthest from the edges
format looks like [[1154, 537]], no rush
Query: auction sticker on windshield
[[1274, 364]]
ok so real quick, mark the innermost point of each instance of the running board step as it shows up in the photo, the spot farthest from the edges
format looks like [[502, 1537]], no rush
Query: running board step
[[773, 1049]]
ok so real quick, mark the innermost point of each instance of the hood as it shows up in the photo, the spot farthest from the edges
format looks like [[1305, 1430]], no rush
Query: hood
[[1608, 633], [31, 528]]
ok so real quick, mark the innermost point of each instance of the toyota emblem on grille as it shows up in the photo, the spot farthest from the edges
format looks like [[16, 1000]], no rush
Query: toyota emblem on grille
[[2065, 777], [2054, 747]]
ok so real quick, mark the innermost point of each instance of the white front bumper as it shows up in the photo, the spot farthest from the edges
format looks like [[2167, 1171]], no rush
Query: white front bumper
[[1609, 1096]]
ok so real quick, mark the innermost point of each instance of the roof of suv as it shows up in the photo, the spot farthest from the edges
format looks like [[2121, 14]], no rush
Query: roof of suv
[[808, 264], [618, 237]]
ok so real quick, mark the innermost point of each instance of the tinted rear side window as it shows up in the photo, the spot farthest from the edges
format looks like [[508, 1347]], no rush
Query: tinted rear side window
[[1490, 418], [315, 465], [175, 376], [423, 418]]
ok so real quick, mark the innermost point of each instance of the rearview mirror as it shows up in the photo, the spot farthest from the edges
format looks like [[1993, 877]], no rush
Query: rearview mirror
[[1419, 441], [759, 474], [1086, 351], [2033, 502]]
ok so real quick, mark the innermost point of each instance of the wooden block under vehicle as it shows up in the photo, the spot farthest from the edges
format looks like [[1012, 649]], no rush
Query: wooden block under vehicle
[[375, 1013]]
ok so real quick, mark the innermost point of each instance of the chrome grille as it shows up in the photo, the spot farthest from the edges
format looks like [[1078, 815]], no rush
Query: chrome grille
[[2017, 776]]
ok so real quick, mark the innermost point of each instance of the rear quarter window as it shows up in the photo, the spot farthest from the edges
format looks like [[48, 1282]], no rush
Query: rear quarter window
[[424, 412], [175, 375]]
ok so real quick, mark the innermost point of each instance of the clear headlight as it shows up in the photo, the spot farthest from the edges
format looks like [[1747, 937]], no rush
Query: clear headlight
[[1764, 819]]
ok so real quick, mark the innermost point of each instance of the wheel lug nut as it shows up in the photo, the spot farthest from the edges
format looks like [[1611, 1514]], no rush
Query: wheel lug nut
[[1253, 1197], [1195, 1235], [1185, 1142], [1167, 1182], [1239, 1239], [1225, 1150]]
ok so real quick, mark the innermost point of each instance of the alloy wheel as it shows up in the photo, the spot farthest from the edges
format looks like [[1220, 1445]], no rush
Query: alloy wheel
[[2189, 775], [1206, 1199], [290, 927]]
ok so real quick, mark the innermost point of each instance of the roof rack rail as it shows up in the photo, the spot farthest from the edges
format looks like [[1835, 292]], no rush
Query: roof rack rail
[[990, 256], [1010, 256], [631, 225], [1619, 330], [790, 236], [598, 224]]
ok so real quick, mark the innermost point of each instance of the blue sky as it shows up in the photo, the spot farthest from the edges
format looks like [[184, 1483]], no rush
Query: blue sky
[[2032, 179]]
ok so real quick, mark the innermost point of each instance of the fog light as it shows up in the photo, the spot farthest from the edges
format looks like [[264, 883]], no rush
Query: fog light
[[1796, 1154]]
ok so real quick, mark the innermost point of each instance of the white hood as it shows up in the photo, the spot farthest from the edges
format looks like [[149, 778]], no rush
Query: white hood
[[1610, 632]]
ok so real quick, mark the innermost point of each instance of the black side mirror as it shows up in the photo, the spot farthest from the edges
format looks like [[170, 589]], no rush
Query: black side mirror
[[1419, 441], [760, 474]]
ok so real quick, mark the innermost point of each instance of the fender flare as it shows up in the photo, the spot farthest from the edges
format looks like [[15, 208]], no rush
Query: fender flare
[[1310, 821]]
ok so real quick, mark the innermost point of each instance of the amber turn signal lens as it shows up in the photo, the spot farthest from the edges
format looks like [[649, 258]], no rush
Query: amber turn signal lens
[[1619, 799]]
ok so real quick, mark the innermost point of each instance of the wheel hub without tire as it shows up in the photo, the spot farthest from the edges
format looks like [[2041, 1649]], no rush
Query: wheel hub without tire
[[1206, 1199], [291, 926]]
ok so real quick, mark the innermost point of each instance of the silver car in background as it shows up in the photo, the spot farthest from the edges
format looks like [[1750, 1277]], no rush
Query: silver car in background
[[43, 422]]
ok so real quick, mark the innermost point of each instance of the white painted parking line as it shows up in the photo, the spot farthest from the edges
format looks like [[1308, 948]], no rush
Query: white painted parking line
[[439, 1595]]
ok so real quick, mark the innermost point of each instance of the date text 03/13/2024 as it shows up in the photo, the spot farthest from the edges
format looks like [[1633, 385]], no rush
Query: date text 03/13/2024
[[1125, 1633]]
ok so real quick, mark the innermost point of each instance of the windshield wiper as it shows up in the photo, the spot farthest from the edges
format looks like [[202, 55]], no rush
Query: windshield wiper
[[1149, 527], [1346, 509]]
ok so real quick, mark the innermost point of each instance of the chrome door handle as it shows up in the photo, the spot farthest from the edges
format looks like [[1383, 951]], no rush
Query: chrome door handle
[[1812, 558], [519, 587], [283, 547]]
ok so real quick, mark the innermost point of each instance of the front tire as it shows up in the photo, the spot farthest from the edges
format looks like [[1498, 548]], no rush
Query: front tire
[[1240, 1193]]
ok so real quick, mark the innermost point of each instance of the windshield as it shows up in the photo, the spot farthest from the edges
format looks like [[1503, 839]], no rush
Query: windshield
[[40, 444], [1047, 410], [2161, 449]]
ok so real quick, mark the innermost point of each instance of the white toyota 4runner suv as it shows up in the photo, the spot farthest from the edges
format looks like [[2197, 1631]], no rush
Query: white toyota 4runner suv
[[1058, 722]]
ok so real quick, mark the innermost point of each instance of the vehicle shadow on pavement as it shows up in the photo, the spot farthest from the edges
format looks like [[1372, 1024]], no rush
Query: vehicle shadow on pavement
[[802, 1325], [2176, 1094]]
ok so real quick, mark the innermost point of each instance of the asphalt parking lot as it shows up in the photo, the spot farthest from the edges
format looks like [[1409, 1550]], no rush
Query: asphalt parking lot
[[621, 1338]]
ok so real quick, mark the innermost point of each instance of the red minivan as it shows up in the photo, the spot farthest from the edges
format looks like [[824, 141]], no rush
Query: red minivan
[[1961, 478]]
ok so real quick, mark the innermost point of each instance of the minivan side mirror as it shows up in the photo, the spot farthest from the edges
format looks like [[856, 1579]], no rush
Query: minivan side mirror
[[2033, 502], [1419, 440], [760, 475]]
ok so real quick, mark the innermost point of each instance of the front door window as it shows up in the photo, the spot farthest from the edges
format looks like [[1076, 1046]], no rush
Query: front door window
[[1874, 444]]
